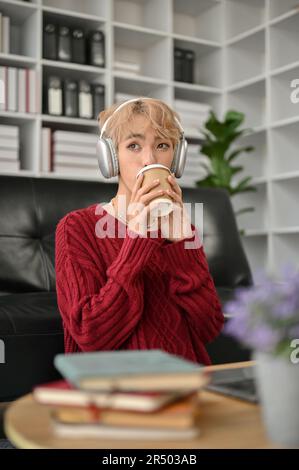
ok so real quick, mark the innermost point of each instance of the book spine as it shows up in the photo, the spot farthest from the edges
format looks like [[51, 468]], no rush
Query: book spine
[[12, 89], [5, 34]]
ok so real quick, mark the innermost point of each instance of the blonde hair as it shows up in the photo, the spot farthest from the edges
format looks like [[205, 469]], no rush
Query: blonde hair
[[159, 114]]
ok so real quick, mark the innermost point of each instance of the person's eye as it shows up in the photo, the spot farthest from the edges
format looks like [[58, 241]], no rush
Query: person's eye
[[167, 145], [130, 146]]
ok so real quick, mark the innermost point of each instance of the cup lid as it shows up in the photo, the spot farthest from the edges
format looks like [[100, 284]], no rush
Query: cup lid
[[153, 165]]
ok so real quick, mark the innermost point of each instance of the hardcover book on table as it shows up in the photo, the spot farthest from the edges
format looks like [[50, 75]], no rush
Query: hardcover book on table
[[130, 370]]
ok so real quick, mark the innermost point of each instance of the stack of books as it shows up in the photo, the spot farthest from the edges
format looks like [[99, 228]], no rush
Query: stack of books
[[193, 116], [68, 152], [9, 148], [19, 90], [127, 67], [139, 394]]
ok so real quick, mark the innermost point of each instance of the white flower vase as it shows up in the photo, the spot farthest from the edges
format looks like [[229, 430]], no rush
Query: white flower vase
[[278, 389]]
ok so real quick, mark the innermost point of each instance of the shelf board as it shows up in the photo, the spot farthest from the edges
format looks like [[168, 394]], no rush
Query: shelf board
[[285, 230], [18, 118], [195, 40], [245, 83], [255, 233], [17, 10], [193, 7], [18, 173], [286, 176], [245, 34], [72, 66], [284, 68], [54, 175], [68, 120], [195, 87], [139, 78], [139, 29], [285, 122], [258, 180], [284, 17], [73, 14], [16, 59]]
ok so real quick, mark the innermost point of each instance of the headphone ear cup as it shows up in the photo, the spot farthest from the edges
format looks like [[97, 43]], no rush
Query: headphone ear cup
[[179, 158], [107, 157], [114, 157]]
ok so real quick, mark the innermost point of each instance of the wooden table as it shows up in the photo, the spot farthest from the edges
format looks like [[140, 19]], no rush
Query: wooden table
[[224, 423]]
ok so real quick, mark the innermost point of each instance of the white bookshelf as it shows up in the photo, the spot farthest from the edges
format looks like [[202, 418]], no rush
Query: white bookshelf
[[246, 57], [260, 61]]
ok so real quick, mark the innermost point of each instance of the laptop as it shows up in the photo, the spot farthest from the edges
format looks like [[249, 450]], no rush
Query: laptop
[[235, 382]]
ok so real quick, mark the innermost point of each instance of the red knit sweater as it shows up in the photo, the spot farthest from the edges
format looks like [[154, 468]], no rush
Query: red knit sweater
[[132, 293]]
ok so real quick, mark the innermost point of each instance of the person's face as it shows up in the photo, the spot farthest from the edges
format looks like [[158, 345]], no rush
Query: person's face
[[142, 146]]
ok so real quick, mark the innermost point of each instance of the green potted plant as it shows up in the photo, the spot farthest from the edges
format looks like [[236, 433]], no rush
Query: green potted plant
[[265, 318], [220, 162]]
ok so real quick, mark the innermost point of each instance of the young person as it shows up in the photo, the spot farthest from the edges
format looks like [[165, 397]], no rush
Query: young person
[[135, 291]]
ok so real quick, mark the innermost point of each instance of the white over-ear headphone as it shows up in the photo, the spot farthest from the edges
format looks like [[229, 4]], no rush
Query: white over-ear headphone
[[108, 159]]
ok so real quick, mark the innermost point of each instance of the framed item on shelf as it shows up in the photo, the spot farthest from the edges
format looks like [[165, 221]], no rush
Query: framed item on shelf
[[98, 92], [70, 98], [96, 48], [78, 46], [64, 50], [54, 93], [50, 41], [85, 100]]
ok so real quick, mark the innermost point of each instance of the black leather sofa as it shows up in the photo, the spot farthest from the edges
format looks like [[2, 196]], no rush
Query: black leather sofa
[[30, 324]]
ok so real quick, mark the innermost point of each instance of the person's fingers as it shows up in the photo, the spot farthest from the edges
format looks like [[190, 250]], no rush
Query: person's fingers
[[146, 188], [174, 184], [152, 195], [175, 196], [136, 186]]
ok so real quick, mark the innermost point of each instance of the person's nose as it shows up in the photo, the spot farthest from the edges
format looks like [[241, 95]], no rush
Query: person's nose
[[149, 157]]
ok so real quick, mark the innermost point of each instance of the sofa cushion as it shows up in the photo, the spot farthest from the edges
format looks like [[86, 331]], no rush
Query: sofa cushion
[[31, 331]]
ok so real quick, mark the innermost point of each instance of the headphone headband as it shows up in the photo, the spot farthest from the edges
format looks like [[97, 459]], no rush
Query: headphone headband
[[130, 101]]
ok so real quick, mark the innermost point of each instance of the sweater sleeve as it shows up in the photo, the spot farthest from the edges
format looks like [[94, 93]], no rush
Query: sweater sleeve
[[99, 307], [192, 286]]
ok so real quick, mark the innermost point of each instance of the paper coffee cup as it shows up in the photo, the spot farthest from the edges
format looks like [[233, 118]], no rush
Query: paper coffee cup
[[161, 205]]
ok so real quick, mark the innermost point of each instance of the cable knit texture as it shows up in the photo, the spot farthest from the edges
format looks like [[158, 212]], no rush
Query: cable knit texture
[[132, 292]]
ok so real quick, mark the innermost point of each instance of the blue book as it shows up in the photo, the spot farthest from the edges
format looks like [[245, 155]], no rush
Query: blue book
[[150, 369]]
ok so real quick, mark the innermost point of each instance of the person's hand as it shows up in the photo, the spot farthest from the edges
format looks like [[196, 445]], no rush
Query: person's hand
[[177, 225], [138, 216]]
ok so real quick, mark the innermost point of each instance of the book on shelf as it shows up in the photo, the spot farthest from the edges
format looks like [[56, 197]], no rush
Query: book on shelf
[[12, 89], [21, 90], [63, 393], [8, 143], [125, 66], [76, 170], [185, 105], [10, 165], [9, 132], [72, 149], [4, 34], [130, 370], [75, 161], [9, 154], [84, 138], [46, 150]]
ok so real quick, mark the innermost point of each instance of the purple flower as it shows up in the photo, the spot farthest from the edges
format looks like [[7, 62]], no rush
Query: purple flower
[[266, 315]]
